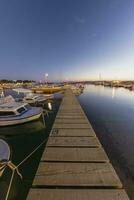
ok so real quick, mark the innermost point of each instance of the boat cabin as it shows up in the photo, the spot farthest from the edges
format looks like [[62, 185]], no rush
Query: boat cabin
[[13, 109]]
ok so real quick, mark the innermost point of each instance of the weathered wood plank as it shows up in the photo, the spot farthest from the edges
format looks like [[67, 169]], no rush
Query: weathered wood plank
[[73, 132], [71, 103], [74, 154], [80, 126], [73, 142], [70, 121], [70, 112], [70, 116], [75, 194], [69, 107], [96, 175]]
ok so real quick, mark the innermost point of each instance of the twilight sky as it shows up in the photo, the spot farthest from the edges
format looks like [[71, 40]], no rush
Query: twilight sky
[[68, 39]]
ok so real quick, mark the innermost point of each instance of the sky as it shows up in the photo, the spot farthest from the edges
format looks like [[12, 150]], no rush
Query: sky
[[68, 39]]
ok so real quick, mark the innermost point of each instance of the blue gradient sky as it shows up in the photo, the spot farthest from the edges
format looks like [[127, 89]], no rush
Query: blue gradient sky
[[68, 39]]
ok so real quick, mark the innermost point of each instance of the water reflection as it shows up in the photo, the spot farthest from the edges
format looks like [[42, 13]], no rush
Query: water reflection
[[22, 129], [113, 92], [112, 117]]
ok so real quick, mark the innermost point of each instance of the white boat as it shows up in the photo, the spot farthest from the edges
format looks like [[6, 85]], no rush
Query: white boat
[[48, 96], [7, 99], [13, 113], [34, 99], [4, 155], [4, 151], [22, 90]]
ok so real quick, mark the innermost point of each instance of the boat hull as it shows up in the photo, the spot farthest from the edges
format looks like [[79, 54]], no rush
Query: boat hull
[[48, 90], [8, 122]]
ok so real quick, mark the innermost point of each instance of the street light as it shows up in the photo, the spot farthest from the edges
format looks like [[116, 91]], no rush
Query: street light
[[46, 76]]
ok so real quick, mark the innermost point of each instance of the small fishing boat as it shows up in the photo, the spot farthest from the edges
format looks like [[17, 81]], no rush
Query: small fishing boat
[[4, 155], [34, 99], [7, 99], [48, 96], [13, 113], [5, 161], [47, 89], [22, 90]]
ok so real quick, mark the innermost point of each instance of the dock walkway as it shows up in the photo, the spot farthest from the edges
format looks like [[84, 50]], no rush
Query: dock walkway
[[74, 166]]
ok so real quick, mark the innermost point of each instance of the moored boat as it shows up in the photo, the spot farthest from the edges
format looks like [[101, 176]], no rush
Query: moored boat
[[4, 155], [47, 89], [14, 113], [34, 99], [7, 99]]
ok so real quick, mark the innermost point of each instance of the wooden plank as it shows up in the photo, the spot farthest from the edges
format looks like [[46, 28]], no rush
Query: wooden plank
[[66, 103], [67, 109], [75, 194], [80, 126], [68, 106], [73, 142], [93, 175], [74, 154], [73, 132], [77, 110], [70, 121], [70, 112], [70, 116]]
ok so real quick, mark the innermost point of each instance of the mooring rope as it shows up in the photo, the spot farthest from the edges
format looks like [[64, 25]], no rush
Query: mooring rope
[[9, 164], [15, 167]]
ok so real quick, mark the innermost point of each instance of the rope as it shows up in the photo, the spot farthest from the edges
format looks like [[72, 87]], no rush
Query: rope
[[10, 165], [11, 180], [32, 152], [15, 168]]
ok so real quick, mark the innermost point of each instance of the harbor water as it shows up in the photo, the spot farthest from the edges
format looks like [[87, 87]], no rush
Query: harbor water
[[23, 139], [111, 113]]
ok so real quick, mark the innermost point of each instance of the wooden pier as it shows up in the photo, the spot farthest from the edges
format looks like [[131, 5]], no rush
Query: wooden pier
[[74, 166]]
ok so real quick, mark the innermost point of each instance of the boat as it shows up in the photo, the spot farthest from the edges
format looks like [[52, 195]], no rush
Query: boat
[[13, 113], [48, 96], [34, 99], [4, 155], [5, 162], [7, 99], [22, 90], [47, 89]]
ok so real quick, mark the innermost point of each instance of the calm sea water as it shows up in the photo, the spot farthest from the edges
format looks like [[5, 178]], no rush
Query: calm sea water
[[111, 112], [23, 139]]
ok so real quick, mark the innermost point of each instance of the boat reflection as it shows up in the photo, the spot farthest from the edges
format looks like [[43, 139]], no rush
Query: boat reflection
[[27, 128]]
